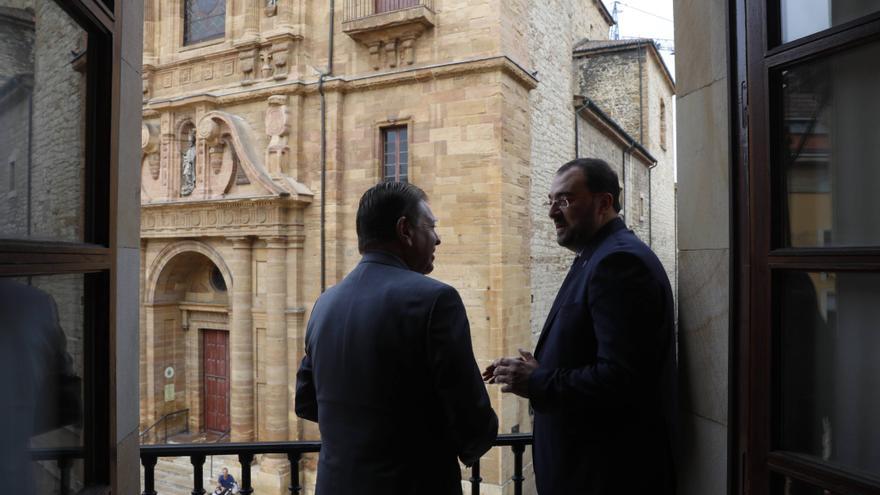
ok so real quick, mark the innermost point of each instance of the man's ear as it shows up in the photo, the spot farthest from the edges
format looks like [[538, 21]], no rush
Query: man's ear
[[606, 203], [404, 233]]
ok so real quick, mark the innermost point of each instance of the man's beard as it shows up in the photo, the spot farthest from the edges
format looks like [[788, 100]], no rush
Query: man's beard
[[577, 237]]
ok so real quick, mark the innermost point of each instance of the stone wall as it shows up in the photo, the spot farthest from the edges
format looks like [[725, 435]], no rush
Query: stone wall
[[554, 27], [16, 79], [612, 80], [703, 116], [629, 85], [596, 140]]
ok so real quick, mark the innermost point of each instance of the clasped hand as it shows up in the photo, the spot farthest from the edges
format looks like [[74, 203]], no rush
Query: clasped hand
[[512, 372]]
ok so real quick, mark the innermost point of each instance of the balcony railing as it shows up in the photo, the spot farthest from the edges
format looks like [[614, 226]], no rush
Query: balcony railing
[[159, 429], [358, 9], [294, 451]]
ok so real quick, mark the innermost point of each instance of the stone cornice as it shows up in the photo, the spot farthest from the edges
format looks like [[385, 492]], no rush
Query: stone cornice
[[267, 217], [260, 91]]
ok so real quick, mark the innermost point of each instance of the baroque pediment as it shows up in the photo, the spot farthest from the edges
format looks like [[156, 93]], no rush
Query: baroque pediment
[[218, 157]]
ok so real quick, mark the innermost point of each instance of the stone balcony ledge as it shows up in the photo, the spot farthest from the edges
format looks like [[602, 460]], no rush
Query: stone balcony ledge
[[411, 21]]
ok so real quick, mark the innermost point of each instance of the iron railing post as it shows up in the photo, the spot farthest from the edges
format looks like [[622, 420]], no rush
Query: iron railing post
[[518, 478], [64, 464], [475, 478], [149, 463], [198, 462], [246, 460], [294, 458]]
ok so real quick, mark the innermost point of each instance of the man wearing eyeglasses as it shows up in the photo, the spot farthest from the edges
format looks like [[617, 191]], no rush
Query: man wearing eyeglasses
[[601, 382], [389, 372]]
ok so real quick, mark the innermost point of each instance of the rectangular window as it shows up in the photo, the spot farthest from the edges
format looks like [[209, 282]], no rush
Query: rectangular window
[[826, 121], [395, 154], [801, 18], [203, 20], [827, 373]]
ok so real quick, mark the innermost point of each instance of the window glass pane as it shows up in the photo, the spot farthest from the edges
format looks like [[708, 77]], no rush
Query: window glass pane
[[785, 485], [41, 370], [827, 370], [204, 20], [829, 151], [42, 122], [804, 17], [403, 168]]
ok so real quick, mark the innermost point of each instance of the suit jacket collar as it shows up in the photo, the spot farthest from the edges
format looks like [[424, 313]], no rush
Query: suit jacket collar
[[603, 233], [383, 258]]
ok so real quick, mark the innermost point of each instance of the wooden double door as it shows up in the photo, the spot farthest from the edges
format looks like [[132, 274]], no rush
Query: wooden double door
[[215, 385]]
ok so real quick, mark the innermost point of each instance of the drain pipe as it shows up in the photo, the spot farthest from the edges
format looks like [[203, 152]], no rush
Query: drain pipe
[[577, 113], [651, 205], [321, 78]]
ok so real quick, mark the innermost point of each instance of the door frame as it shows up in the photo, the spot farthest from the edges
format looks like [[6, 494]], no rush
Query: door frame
[[755, 51]]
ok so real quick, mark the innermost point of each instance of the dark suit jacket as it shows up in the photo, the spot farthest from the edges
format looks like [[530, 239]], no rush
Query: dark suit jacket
[[389, 375], [604, 392]]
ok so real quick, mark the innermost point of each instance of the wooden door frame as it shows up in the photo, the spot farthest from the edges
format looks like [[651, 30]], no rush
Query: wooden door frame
[[755, 52]]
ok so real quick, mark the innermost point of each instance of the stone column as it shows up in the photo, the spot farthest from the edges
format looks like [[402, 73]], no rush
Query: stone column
[[275, 355], [149, 31], [294, 313], [241, 343], [251, 21]]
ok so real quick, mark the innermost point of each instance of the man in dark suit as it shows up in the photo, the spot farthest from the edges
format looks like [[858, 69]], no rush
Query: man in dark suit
[[602, 379], [389, 372]]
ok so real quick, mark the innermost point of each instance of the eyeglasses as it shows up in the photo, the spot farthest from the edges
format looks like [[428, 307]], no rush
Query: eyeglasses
[[562, 203]]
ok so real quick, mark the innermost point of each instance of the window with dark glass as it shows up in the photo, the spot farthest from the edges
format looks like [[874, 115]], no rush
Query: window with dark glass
[[395, 154], [809, 356], [55, 263], [203, 20]]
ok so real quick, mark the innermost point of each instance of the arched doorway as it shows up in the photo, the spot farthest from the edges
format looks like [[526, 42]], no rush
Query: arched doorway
[[186, 353]]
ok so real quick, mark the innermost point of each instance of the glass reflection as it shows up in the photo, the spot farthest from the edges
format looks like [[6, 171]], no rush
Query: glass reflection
[[828, 374], [42, 126], [785, 485], [41, 369], [829, 153], [804, 17]]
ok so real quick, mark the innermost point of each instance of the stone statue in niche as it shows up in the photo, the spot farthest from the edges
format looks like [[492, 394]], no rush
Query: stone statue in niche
[[188, 169]]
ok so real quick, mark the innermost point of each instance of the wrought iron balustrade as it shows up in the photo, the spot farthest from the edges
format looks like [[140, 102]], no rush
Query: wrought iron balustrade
[[358, 9], [197, 453], [162, 425]]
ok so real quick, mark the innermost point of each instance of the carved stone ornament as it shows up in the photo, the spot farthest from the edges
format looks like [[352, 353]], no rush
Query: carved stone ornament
[[215, 158], [276, 117], [278, 128], [150, 149]]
